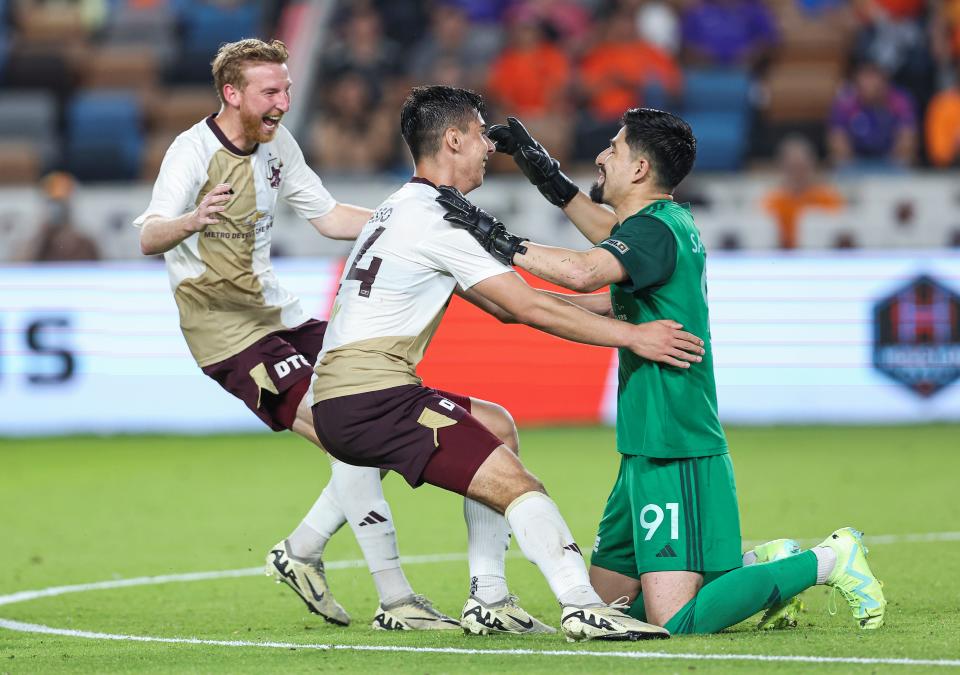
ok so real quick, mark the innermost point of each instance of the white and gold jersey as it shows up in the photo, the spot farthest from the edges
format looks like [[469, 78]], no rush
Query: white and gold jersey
[[222, 278], [395, 287]]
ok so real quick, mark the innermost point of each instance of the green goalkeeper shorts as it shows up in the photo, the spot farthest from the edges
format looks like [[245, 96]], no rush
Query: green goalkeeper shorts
[[670, 514]]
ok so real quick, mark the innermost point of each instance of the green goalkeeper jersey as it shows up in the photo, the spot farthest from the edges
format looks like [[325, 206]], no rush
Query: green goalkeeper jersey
[[663, 411]]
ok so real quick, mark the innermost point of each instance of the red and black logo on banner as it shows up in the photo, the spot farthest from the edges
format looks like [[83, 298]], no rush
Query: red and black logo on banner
[[917, 336]]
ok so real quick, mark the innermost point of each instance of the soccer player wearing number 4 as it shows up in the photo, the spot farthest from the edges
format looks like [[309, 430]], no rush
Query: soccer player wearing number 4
[[669, 538], [372, 409], [211, 215]]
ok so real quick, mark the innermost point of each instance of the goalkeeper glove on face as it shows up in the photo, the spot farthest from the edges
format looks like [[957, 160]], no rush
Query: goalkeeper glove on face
[[487, 230], [536, 164]]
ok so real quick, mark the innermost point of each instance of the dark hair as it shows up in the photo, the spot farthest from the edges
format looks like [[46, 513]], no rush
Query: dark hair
[[667, 141], [429, 111]]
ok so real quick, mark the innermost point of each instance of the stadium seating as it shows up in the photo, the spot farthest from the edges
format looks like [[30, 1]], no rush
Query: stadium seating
[[727, 228], [152, 28], [4, 48], [721, 139], [800, 92], [716, 90], [119, 67], [104, 139], [20, 161], [716, 103], [34, 67], [28, 127], [897, 214], [204, 27], [819, 229]]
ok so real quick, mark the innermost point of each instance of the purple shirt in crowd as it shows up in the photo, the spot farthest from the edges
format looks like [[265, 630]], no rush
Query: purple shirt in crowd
[[872, 131], [724, 31], [481, 11]]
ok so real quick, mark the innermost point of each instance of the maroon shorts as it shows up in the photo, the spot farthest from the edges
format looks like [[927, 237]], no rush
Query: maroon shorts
[[424, 434], [272, 375]]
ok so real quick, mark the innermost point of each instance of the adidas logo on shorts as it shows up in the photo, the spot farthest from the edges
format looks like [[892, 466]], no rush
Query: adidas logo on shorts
[[667, 552]]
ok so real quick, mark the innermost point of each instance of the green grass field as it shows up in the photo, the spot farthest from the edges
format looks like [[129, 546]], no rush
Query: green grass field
[[80, 510]]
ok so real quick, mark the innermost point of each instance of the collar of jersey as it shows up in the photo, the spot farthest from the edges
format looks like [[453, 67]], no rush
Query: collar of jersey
[[422, 181], [224, 141]]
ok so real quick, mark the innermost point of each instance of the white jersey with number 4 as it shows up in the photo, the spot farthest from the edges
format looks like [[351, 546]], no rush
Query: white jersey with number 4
[[397, 282]]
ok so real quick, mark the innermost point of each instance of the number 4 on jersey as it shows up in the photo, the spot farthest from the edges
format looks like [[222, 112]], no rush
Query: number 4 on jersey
[[367, 276]]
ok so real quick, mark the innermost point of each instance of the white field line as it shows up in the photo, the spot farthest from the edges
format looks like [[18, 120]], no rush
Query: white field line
[[47, 630], [24, 596], [879, 539]]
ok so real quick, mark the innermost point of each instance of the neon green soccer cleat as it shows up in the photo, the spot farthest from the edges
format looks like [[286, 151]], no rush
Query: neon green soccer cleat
[[783, 614], [851, 576]]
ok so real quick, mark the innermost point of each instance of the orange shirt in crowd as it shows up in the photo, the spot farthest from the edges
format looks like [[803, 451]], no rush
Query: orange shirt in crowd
[[787, 207], [529, 82], [943, 127], [615, 74]]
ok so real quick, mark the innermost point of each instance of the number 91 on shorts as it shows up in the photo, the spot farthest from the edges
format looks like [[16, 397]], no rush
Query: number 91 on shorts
[[670, 515]]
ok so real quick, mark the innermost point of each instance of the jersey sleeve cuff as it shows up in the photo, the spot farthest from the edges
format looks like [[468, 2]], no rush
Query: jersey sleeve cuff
[[625, 257]]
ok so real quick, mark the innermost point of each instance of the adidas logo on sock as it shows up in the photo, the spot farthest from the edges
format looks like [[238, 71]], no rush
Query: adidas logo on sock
[[667, 552], [372, 519], [573, 547]]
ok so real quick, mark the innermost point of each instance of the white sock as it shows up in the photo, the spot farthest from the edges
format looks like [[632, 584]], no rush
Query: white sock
[[488, 538], [826, 561], [545, 539], [323, 519], [360, 494]]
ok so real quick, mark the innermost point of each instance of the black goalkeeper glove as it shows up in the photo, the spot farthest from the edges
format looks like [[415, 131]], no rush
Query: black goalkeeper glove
[[486, 229], [536, 163]]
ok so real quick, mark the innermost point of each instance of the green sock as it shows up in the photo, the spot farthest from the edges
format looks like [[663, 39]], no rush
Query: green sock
[[741, 593]]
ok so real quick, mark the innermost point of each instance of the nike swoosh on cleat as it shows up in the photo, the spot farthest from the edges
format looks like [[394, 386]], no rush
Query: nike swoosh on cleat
[[313, 591], [526, 625]]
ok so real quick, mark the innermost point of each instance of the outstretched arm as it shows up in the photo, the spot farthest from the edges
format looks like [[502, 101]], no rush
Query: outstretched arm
[[344, 222], [594, 220], [596, 303], [583, 271], [661, 341]]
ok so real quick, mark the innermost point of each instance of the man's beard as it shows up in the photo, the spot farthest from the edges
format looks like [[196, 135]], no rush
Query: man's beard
[[596, 192], [252, 133]]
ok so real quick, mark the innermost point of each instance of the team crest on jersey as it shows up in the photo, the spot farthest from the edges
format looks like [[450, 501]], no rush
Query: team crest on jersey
[[273, 172], [917, 336]]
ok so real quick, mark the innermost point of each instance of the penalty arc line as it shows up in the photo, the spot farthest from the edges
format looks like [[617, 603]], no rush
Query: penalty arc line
[[24, 596]]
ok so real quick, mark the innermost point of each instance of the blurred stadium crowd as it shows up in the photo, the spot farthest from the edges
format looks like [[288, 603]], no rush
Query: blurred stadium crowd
[[98, 88]]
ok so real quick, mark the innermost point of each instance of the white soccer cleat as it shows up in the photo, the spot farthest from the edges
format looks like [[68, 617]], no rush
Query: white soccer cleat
[[307, 579], [413, 613], [606, 622], [505, 616]]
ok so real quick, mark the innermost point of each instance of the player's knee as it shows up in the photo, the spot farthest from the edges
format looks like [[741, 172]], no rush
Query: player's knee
[[503, 427], [527, 482]]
